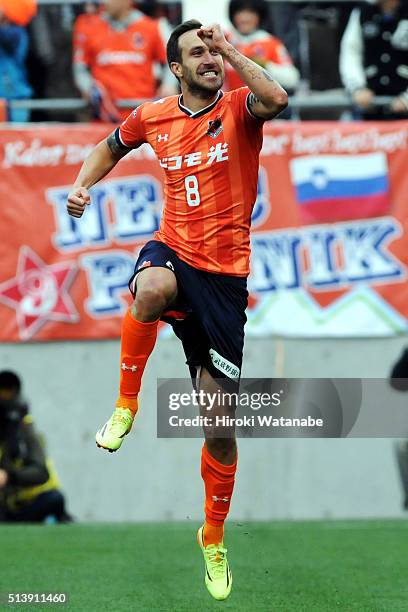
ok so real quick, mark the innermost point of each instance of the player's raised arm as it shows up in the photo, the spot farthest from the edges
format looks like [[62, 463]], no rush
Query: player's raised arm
[[98, 164], [268, 98]]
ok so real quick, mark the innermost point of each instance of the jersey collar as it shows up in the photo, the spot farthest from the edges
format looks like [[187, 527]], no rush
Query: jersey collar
[[255, 36], [133, 17], [203, 111]]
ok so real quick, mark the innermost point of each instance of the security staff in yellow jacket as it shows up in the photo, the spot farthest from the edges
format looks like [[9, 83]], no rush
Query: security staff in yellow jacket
[[29, 487]]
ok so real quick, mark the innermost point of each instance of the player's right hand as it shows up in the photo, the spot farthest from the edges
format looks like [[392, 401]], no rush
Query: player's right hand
[[78, 198], [213, 37]]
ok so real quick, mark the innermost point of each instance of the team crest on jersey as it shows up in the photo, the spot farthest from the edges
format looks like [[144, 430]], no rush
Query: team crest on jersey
[[138, 40], [259, 52], [215, 127]]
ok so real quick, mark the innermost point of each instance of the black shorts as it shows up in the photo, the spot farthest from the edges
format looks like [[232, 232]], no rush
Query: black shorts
[[211, 318]]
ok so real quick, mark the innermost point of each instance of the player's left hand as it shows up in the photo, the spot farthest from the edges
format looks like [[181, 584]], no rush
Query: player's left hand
[[213, 37]]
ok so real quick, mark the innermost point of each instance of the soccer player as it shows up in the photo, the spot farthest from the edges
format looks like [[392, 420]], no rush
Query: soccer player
[[115, 54], [194, 272]]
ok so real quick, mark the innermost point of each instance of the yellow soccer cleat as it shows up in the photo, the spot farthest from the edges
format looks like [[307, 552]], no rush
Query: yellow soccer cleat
[[218, 577], [112, 434]]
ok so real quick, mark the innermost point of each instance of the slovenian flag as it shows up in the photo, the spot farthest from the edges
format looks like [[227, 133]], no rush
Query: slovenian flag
[[341, 187]]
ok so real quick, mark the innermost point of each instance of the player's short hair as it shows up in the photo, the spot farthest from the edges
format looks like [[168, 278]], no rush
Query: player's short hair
[[173, 49], [257, 6]]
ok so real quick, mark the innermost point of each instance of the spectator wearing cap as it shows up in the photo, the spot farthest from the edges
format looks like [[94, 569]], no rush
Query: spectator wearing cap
[[14, 16], [115, 53], [374, 58], [259, 45]]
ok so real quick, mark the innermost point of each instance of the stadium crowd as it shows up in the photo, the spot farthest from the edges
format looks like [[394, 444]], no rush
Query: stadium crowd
[[110, 50]]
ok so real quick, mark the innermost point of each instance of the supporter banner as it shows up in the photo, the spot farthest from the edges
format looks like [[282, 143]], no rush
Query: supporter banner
[[329, 240]]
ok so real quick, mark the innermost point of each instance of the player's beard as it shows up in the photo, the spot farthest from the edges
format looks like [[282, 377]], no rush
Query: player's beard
[[201, 90]]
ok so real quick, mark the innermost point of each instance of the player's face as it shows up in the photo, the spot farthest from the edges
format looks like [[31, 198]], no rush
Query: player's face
[[202, 70], [246, 21], [116, 8]]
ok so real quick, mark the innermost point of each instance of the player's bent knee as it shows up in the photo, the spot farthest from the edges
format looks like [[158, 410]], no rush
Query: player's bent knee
[[152, 299], [158, 280]]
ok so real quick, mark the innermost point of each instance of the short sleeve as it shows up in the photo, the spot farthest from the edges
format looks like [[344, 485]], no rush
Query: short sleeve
[[241, 108], [131, 133]]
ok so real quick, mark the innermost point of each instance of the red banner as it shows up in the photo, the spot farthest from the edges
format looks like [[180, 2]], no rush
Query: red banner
[[329, 242]]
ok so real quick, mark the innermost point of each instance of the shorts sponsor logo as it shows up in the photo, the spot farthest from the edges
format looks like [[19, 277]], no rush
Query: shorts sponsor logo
[[223, 365], [170, 265]]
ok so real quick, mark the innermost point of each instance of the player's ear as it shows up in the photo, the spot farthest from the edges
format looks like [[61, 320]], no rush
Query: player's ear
[[176, 69]]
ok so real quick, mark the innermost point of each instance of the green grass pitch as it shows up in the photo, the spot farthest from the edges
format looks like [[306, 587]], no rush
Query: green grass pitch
[[277, 567]]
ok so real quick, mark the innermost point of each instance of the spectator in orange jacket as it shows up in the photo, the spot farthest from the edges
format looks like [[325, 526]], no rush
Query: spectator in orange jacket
[[257, 44], [115, 52]]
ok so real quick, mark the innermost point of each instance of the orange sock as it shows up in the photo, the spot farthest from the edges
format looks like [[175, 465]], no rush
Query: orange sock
[[213, 534], [219, 484], [137, 343]]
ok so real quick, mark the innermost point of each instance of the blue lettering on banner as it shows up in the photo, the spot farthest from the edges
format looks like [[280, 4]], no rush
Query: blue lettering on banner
[[326, 257], [322, 262], [74, 234], [262, 204], [136, 205], [365, 250], [108, 274], [275, 261]]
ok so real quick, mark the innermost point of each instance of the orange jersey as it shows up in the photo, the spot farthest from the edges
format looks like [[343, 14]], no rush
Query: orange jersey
[[211, 161], [121, 59], [262, 48]]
